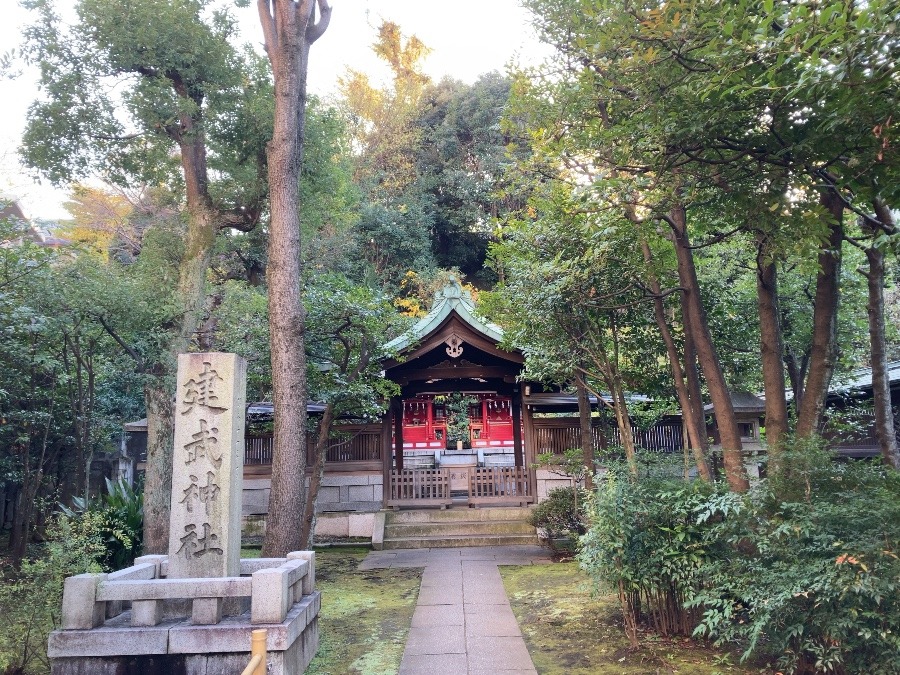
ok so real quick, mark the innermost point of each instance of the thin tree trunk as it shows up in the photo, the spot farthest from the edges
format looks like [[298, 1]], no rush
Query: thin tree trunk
[[730, 435], [584, 422], [692, 376], [885, 433], [611, 377], [771, 350], [315, 480], [797, 376], [289, 30], [696, 433], [823, 355]]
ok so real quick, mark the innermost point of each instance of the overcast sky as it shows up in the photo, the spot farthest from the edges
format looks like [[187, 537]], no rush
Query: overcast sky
[[467, 38]]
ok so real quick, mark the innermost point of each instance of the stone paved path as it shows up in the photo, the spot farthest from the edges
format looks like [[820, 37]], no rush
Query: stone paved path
[[463, 624]]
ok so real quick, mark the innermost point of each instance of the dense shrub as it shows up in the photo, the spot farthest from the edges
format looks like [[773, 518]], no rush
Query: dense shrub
[[121, 512], [803, 570], [30, 599], [646, 543], [561, 514]]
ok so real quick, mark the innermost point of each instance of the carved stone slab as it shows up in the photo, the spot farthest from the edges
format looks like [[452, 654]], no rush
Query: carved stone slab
[[207, 466]]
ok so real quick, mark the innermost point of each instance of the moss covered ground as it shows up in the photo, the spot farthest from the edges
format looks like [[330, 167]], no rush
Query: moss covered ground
[[569, 630], [365, 616]]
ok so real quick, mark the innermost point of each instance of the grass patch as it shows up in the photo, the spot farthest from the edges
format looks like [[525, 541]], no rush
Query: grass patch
[[569, 631], [365, 616]]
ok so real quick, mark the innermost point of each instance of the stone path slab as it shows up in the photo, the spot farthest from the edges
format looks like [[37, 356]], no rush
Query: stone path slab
[[462, 624]]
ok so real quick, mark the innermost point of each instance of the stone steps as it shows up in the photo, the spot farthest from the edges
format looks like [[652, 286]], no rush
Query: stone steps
[[462, 541], [456, 528], [451, 528], [463, 514]]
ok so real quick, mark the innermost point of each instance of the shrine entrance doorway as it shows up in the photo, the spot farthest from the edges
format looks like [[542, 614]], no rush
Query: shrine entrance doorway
[[455, 433]]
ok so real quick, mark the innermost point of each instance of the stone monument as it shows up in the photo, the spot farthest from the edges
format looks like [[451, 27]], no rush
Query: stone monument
[[165, 614], [207, 466]]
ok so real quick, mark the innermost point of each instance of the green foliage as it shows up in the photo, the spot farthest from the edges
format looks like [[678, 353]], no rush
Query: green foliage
[[803, 570], [118, 516], [818, 581], [347, 326], [457, 406], [561, 514], [644, 542], [30, 599]]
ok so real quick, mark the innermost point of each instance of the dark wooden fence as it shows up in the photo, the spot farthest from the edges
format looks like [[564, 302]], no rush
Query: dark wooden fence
[[349, 443], [558, 434]]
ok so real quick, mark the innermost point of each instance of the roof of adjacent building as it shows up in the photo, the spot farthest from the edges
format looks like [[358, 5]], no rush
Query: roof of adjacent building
[[860, 381], [743, 402], [453, 298]]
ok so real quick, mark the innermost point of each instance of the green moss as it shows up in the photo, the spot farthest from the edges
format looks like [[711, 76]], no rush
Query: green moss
[[365, 616], [571, 631]]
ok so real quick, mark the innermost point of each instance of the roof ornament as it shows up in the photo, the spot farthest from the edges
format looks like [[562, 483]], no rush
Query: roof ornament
[[453, 289], [454, 346]]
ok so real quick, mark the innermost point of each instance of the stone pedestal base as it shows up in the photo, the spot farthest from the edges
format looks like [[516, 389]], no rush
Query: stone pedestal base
[[177, 647]]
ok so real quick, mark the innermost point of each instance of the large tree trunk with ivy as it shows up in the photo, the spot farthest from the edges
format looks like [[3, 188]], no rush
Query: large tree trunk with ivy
[[824, 353], [158, 482], [729, 433], [158, 396], [289, 28], [771, 349], [885, 433]]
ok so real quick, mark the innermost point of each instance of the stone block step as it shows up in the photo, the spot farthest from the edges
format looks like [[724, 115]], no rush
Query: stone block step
[[462, 540], [457, 515], [454, 528]]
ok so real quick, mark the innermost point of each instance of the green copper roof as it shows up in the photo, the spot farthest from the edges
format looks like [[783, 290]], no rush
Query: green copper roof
[[451, 298]]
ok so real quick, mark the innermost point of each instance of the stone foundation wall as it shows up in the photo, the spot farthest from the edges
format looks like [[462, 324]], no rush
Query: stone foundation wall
[[346, 504], [339, 492], [548, 480]]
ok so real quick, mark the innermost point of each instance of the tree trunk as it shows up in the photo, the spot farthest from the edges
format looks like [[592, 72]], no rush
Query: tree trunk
[[797, 375], [158, 394], [289, 32], [885, 433], [584, 422], [692, 376], [823, 355], [696, 432], [771, 349], [157, 481], [308, 532], [729, 433]]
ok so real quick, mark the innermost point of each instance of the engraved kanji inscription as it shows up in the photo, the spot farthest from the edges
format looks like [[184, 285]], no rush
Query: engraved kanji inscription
[[200, 391], [203, 494], [204, 445], [195, 546]]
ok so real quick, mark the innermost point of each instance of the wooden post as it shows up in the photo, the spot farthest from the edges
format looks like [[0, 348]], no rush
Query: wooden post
[[516, 403], [530, 443], [398, 432], [386, 454]]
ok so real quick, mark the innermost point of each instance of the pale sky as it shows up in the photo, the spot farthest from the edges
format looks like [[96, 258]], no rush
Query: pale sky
[[467, 38]]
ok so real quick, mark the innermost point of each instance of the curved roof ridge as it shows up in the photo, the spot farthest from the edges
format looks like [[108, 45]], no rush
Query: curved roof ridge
[[451, 298]]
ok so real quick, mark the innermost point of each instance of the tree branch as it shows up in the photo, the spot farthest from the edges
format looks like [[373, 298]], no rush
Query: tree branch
[[270, 37], [315, 30]]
